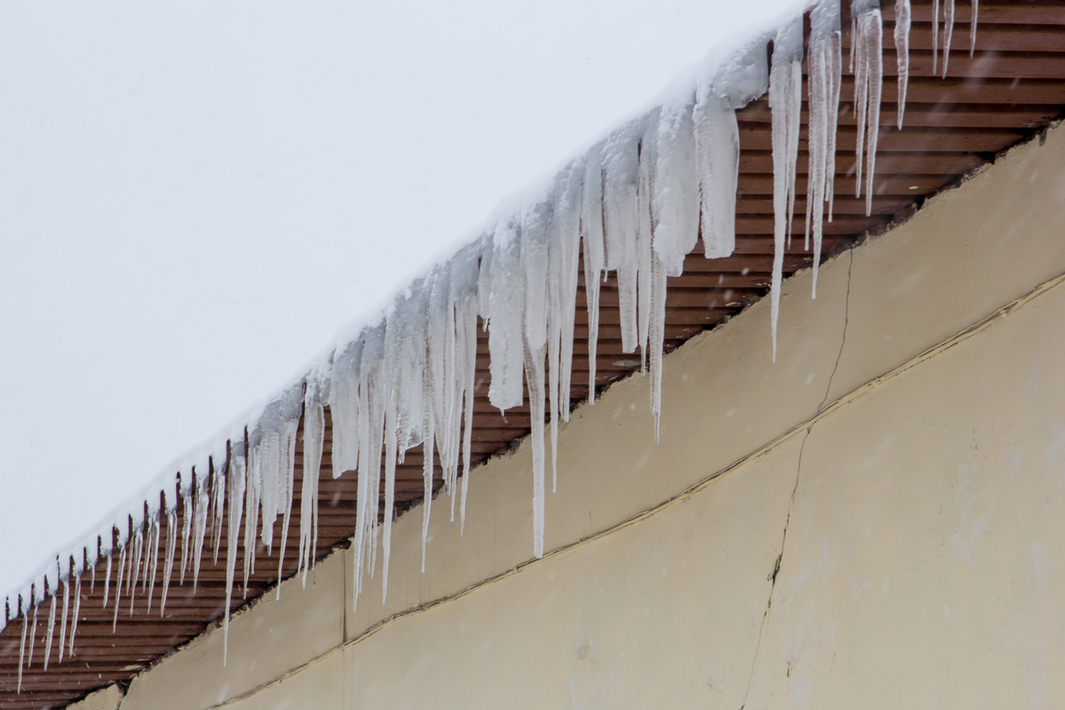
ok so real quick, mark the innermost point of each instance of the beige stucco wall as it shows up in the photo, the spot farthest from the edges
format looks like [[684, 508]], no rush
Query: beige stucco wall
[[912, 491]]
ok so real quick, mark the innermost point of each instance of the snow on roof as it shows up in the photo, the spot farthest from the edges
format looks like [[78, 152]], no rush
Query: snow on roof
[[634, 203]]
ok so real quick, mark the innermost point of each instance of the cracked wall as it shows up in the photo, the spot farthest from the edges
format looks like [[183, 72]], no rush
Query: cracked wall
[[903, 463]]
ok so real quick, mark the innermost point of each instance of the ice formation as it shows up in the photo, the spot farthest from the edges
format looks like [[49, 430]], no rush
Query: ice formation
[[902, 48], [785, 101], [635, 204], [823, 86], [33, 636], [867, 65]]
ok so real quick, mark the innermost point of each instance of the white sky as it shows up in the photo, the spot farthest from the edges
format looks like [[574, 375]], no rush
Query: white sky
[[195, 196]]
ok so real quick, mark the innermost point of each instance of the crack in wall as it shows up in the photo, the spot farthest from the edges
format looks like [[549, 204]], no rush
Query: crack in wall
[[846, 322], [772, 577]]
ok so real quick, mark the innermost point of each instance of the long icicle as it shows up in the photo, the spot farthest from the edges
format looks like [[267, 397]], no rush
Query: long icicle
[[868, 80], [534, 368], [825, 63], [218, 500], [427, 480], [237, 481], [469, 317], [201, 513], [33, 635], [290, 428], [63, 622], [594, 254], [134, 568], [785, 102], [22, 648], [902, 49], [935, 37], [313, 438], [118, 587], [51, 631], [251, 510], [151, 565], [77, 613], [171, 549], [107, 578], [187, 515], [948, 32]]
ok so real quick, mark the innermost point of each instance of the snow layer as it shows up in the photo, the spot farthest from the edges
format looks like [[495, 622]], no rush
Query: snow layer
[[634, 203]]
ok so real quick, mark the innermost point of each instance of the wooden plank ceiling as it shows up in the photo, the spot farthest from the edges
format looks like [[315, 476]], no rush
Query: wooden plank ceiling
[[1012, 87]]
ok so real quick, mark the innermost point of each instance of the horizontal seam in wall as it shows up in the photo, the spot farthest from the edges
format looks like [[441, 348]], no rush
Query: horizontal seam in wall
[[862, 390]]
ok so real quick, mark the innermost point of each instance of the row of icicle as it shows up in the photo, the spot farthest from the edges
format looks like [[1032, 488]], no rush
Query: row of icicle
[[634, 204]]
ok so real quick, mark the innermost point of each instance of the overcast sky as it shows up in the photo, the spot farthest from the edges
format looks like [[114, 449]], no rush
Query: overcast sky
[[195, 196]]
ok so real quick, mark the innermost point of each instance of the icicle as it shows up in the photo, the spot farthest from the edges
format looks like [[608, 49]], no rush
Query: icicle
[[868, 80], [291, 408], [266, 470], [785, 101], [107, 579], [379, 404], [435, 310], [366, 361], [344, 407], [534, 375], [134, 568], [251, 510], [132, 555], [717, 153], [77, 613], [537, 216], [465, 271], [935, 38], [420, 342], [825, 66], [118, 587], [972, 28], [568, 216], [51, 631], [313, 438], [63, 623], [657, 337], [187, 515], [563, 272], [372, 394], [237, 481], [395, 326], [554, 357], [554, 334], [644, 249], [722, 89], [504, 315], [621, 165], [948, 32], [171, 548], [218, 501], [22, 649], [676, 201], [152, 563], [145, 561], [902, 49], [33, 633], [427, 478], [594, 253]]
